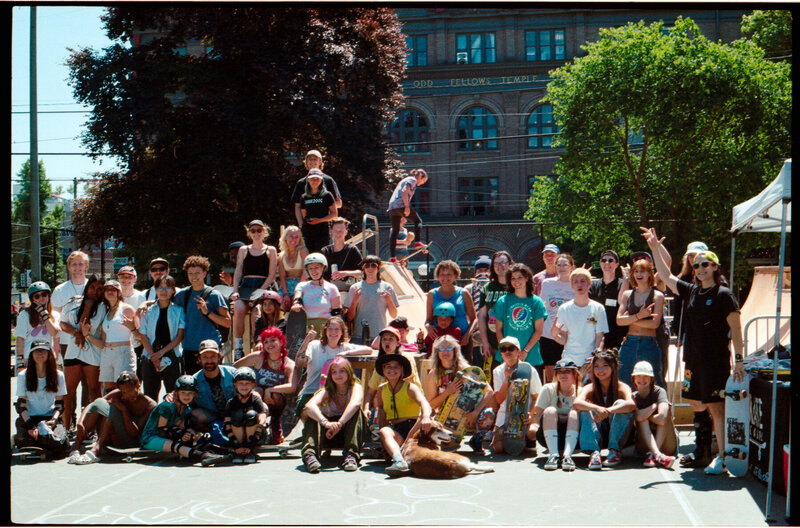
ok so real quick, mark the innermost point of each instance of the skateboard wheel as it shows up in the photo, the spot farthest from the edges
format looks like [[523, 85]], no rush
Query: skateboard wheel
[[129, 459], [282, 454]]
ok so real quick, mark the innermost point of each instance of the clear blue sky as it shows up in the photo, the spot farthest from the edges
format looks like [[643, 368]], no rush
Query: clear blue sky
[[58, 28]]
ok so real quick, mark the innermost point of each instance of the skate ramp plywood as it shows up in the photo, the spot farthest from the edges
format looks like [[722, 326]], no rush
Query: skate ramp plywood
[[762, 301], [411, 297]]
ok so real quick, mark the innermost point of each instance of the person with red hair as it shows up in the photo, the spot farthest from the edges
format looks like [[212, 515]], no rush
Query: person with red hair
[[274, 377]]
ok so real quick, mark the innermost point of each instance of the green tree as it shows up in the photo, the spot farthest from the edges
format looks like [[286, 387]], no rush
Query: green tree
[[209, 142], [21, 214], [771, 31], [662, 126]]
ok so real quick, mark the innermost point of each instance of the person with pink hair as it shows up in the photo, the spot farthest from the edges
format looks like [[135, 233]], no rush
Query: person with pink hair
[[274, 377]]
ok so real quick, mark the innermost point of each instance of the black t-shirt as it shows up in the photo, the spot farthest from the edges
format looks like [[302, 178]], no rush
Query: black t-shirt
[[316, 206], [253, 403], [217, 394], [327, 181], [606, 294], [348, 259], [706, 325], [162, 329]]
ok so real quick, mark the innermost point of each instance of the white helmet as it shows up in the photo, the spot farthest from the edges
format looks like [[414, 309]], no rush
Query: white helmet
[[315, 258]]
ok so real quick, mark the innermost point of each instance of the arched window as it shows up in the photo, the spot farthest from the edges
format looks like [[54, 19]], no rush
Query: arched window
[[408, 128], [541, 127], [475, 126]]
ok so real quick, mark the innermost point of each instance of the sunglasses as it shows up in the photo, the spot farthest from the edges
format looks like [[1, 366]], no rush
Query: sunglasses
[[507, 348], [447, 348], [704, 264], [371, 265], [607, 260], [256, 230], [158, 268]]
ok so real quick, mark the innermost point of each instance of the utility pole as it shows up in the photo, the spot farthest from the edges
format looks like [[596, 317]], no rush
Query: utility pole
[[36, 244]]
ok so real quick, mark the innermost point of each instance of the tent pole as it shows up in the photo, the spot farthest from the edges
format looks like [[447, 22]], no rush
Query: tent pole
[[733, 257], [777, 342]]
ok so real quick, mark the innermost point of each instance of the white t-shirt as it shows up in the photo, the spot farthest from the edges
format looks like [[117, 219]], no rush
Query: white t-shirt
[[41, 402], [549, 397], [582, 323], [554, 294], [135, 300], [318, 354], [61, 296], [318, 300], [499, 376], [26, 332]]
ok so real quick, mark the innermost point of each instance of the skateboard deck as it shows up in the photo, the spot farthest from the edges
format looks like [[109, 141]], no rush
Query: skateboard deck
[[457, 406], [296, 331], [29, 452], [518, 402], [487, 367], [416, 252], [131, 453], [281, 449], [737, 425]]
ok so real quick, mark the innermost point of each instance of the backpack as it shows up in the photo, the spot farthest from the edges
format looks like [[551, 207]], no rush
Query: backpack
[[205, 294]]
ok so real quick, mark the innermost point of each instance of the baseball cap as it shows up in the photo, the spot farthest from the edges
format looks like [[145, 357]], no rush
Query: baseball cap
[[511, 340], [127, 269], [400, 322], [643, 368], [235, 245], [315, 173], [636, 255], [256, 222], [551, 247], [392, 331], [158, 260], [610, 252], [111, 283], [484, 261], [44, 344], [696, 247], [209, 344], [565, 364]]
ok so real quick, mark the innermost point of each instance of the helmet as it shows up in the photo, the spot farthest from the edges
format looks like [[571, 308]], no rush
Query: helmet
[[272, 296], [445, 309], [315, 258], [37, 287], [186, 383], [244, 374]]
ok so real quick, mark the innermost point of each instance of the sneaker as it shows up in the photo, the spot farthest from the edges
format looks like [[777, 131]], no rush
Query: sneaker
[[567, 464], [650, 460], [665, 460], [350, 463], [595, 461], [398, 469], [237, 459], [393, 260], [716, 467], [311, 462], [552, 462], [613, 459], [250, 459], [418, 245], [209, 458]]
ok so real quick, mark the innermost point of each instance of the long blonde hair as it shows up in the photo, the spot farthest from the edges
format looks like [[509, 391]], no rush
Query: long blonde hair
[[283, 246], [458, 360]]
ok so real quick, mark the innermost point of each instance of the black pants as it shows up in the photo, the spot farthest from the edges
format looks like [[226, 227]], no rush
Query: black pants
[[395, 215], [152, 378], [191, 364], [315, 238]]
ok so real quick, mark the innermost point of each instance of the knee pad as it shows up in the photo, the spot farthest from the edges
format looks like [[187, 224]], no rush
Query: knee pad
[[238, 418], [250, 418]]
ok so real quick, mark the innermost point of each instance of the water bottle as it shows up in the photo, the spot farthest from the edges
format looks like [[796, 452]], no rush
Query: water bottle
[[334, 268], [365, 333], [165, 362]]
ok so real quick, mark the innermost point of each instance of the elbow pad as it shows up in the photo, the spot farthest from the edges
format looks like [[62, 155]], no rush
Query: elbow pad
[[336, 312]]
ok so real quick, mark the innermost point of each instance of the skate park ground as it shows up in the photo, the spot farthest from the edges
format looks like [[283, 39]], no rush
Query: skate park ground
[[275, 491]]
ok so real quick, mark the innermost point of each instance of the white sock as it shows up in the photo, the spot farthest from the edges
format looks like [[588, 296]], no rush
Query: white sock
[[397, 457], [571, 442], [551, 440]]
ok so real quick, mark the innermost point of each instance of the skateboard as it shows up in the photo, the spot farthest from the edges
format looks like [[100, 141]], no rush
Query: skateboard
[[518, 401], [296, 331], [487, 367], [29, 452], [131, 453], [418, 250], [281, 449], [457, 406], [225, 291], [737, 424]]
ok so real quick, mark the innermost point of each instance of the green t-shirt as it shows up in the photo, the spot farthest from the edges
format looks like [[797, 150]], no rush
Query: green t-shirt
[[518, 317]]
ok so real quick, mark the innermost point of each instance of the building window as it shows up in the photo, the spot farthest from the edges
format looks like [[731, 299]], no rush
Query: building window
[[545, 45], [475, 48], [479, 126], [478, 196], [421, 201], [417, 51], [541, 127], [410, 127]]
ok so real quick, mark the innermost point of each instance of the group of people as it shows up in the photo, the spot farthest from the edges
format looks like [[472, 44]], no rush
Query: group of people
[[597, 347]]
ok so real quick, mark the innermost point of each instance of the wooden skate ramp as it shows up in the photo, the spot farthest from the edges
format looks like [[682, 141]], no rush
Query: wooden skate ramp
[[762, 301]]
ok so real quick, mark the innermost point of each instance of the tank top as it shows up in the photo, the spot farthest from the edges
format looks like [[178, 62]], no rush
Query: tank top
[[633, 309], [114, 329], [252, 265], [457, 300], [403, 406], [298, 262], [267, 377]]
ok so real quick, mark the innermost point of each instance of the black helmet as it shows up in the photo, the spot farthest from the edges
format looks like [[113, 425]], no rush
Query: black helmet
[[186, 383], [244, 374]]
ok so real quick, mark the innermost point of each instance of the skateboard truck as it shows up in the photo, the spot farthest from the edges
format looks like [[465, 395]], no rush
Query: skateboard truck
[[736, 453]]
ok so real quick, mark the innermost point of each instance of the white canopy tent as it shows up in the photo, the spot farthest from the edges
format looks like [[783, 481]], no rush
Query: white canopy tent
[[769, 212]]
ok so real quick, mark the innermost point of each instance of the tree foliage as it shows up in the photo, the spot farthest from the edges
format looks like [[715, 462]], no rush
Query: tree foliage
[[209, 142], [662, 126], [771, 31]]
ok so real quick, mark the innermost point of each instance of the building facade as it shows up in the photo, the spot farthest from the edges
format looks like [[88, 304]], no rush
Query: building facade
[[474, 118]]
